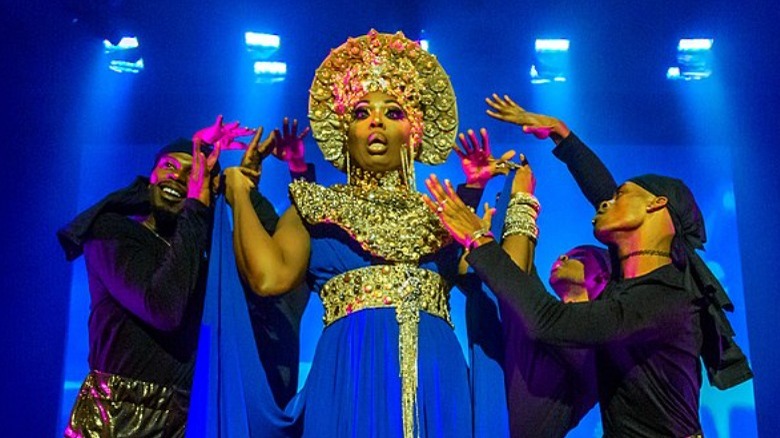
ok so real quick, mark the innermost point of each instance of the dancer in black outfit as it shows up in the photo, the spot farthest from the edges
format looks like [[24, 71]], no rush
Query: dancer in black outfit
[[661, 312]]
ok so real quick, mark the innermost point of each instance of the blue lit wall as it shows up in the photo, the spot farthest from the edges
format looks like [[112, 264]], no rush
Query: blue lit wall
[[75, 131]]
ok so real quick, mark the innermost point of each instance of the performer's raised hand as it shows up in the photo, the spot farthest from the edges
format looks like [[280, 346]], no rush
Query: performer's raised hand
[[225, 134], [256, 152], [289, 146], [477, 162], [199, 181], [459, 219], [540, 125]]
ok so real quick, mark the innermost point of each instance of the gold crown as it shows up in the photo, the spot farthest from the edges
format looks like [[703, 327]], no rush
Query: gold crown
[[392, 64]]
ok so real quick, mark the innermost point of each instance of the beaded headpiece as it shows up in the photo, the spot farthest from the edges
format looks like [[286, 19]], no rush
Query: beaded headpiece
[[392, 64]]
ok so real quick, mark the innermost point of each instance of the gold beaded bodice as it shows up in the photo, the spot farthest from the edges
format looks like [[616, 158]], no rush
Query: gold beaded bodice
[[392, 224]]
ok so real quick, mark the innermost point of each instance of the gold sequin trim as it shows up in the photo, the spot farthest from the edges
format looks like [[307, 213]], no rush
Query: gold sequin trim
[[392, 224]]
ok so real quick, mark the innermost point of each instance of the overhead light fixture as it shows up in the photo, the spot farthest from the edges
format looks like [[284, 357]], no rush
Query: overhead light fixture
[[124, 56], [256, 40], [694, 60], [551, 61], [262, 47], [125, 43], [267, 72], [120, 66], [694, 44]]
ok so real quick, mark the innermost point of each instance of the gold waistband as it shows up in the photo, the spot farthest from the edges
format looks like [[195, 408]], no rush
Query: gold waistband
[[380, 286], [409, 290]]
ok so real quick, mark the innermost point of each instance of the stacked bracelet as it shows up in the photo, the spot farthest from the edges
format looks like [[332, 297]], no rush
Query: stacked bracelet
[[521, 216], [525, 199], [472, 239]]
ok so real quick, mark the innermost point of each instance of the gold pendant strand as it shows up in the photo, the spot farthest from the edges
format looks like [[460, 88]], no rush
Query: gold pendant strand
[[408, 316]]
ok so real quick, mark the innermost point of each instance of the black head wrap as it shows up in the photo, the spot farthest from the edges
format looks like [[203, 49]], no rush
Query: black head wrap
[[726, 364], [132, 200], [184, 145]]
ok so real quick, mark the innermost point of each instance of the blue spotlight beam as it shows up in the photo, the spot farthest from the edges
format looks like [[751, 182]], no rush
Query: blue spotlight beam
[[551, 61]]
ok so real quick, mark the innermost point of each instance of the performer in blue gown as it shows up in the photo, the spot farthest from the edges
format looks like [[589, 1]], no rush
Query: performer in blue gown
[[388, 363]]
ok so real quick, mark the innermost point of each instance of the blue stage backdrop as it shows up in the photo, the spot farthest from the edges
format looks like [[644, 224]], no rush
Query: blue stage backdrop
[[74, 130]]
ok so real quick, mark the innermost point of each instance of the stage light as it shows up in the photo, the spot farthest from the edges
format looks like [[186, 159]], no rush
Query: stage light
[[120, 66], [673, 73], [265, 40], [553, 45], [694, 44], [551, 61], [424, 45], [694, 60], [261, 45], [126, 43], [269, 71], [124, 56]]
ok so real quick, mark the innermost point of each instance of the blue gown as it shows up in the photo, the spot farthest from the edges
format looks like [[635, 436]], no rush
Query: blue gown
[[354, 387]]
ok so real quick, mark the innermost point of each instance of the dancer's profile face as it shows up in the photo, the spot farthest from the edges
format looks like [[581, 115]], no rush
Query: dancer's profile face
[[625, 212], [565, 271], [578, 268], [379, 131]]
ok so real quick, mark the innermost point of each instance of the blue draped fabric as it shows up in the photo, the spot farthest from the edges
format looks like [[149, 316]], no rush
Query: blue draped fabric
[[353, 388], [485, 338], [230, 395]]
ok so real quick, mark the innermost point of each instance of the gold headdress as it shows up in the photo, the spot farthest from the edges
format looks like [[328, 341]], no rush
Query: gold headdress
[[393, 64]]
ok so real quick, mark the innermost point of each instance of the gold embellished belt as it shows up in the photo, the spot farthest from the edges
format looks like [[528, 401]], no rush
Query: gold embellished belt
[[379, 286], [407, 288]]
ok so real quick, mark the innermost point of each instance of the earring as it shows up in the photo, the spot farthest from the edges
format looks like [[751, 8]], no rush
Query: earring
[[348, 168], [407, 165]]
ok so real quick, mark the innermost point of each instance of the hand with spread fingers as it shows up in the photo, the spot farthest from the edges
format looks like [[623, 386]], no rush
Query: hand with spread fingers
[[240, 180], [199, 181], [289, 146], [478, 163], [540, 125], [256, 152], [222, 133], [460, 220]]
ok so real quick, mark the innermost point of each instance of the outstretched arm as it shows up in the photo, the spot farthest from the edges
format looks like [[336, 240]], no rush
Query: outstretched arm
[[635, 317], [589, 172], [592, 176]]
